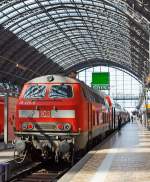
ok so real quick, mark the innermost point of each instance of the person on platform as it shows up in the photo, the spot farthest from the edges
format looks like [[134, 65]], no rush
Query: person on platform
[[119, 122], [132, 119]]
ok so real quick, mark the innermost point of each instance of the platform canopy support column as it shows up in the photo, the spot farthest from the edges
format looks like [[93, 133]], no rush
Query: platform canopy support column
[[6, 119]]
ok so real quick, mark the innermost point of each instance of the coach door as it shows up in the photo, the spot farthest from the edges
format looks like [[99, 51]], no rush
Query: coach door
[[114, 117], [89, 121]]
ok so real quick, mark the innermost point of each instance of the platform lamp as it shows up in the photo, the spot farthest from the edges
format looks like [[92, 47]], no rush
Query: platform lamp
[[147, 84]]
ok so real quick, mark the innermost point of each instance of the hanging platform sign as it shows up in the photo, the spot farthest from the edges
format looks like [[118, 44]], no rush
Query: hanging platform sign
[[101, 80], [100, 87]]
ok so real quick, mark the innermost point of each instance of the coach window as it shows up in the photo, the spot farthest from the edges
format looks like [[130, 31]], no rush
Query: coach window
[[104, 117], [35, 91], [89, 95], [61, 91], [84, 93], [96, 98], [109, 117], [97, 117], [93, 97], [93, 118]]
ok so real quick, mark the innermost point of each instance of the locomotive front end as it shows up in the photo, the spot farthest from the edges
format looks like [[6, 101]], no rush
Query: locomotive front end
[[46, 123]]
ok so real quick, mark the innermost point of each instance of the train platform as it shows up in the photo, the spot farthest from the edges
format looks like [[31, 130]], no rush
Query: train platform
[[9, 168], [123, 157], [4, 146], [6, 155]]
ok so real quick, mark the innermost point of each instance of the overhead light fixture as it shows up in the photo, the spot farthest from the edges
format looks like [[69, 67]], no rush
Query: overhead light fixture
[[21, 67]]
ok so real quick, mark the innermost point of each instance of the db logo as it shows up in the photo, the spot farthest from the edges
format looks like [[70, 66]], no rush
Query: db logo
[[44, 114]]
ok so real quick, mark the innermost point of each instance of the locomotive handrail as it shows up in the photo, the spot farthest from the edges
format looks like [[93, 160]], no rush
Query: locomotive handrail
[[46, 133]]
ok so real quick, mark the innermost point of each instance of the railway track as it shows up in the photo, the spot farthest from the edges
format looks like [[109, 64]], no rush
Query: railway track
[[41, 176], [49, 171], [41, 173]]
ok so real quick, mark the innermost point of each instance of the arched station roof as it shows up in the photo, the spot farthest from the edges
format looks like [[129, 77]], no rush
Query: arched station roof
[[40, 37]]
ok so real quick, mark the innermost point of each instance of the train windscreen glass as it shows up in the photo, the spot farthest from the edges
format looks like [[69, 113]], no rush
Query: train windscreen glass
[[35, 91], [61, 91]]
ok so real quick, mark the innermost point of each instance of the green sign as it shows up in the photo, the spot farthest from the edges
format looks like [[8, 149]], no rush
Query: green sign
[[100, 87], [100, 80]]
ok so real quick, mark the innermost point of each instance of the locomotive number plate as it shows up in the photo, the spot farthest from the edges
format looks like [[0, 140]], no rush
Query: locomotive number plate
[[44, 114]]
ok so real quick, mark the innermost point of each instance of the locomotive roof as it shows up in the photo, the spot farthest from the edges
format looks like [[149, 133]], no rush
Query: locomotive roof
[[100, 93], [54, 79], [63, 79]]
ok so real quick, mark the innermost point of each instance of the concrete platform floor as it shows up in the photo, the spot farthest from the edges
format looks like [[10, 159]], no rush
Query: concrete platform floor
[[125, 157], [6, 155]]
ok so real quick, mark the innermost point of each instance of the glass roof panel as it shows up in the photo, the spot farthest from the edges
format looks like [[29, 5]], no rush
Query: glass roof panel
[[78, 30]]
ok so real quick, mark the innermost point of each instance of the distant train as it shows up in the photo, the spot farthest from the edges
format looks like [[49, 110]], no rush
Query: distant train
[[59, 116], [11, 112]]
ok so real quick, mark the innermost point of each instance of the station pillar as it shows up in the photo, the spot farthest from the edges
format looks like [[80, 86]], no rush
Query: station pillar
[[6, 119]]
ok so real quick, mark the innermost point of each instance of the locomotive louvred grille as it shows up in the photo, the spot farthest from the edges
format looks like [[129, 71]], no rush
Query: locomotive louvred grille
[[44, 126]]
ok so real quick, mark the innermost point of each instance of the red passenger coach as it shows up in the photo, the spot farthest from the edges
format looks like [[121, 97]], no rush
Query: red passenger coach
[[57, 116], [11, 117], [11, 106], [1, 117]]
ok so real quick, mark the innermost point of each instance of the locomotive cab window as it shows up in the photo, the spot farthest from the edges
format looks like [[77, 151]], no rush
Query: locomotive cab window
[[35, 91], [61, 91]]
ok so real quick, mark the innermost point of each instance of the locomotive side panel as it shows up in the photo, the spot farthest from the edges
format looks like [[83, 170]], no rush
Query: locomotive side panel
[[83, 120], [46, 110]]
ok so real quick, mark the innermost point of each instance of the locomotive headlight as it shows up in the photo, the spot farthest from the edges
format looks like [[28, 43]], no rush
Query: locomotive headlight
[[30, 126], [27, 126], [60, 126], [67, 126]]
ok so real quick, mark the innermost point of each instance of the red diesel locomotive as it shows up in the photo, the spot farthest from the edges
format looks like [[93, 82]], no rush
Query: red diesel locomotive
[[58, 116]]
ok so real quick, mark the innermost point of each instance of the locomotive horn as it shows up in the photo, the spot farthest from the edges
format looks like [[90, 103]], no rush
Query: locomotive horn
[[50, 78]]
